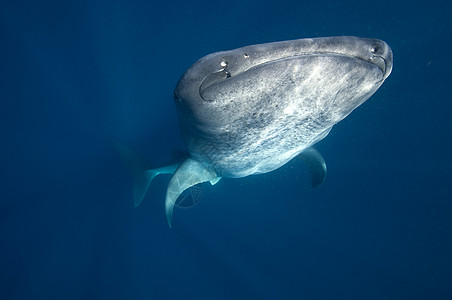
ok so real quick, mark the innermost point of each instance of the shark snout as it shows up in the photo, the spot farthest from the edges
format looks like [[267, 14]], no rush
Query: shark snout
[[381, 56]]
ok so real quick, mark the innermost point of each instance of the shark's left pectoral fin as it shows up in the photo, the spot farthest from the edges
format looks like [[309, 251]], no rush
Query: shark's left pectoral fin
[[316, 164], [189, 173]]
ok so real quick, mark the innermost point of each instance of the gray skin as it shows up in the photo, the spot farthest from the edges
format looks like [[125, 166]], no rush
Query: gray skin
[[251, 110]]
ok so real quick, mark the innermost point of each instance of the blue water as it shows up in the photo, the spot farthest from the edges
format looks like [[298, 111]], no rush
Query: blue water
[[76, 74]]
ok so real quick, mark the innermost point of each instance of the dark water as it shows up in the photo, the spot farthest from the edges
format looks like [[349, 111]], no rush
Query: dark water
[[75, 74]]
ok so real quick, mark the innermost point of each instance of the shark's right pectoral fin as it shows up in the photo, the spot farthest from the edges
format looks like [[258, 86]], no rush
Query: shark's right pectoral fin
[[142, 171], [142, 180], [189, 173]]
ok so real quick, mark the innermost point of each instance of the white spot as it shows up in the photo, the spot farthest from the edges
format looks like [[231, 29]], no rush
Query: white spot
[[223, 64], [290, 109]]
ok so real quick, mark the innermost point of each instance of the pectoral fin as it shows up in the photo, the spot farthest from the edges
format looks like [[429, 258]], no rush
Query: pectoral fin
[[316, 164], [142, 171], [189, 173], [142, 181]]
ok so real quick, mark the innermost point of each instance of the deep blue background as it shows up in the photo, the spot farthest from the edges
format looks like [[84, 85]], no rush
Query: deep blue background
[[75, 74]]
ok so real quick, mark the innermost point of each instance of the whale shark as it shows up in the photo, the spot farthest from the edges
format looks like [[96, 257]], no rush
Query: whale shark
[[251, 110]]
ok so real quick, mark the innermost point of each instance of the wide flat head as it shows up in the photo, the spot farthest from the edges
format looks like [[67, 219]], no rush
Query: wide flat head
[[252, 109]]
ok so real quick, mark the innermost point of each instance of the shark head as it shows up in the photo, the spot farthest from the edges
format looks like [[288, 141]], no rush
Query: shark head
[[293, 89], [337, 74]]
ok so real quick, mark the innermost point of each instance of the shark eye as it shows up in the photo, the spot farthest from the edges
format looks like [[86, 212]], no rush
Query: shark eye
[[377, 49], [246, 55]]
